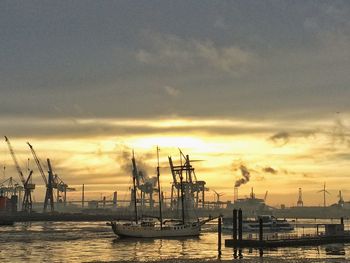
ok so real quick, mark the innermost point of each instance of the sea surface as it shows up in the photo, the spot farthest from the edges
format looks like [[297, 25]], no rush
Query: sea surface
[[95, 241]]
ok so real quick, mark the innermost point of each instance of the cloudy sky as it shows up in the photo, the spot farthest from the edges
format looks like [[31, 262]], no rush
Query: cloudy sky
[[264, 84]]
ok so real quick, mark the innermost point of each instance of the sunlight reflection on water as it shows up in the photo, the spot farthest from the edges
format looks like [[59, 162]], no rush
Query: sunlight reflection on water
[[94, 241]]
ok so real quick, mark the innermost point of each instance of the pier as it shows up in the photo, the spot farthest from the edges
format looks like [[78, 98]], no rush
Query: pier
[[287, 242], [334, 233]]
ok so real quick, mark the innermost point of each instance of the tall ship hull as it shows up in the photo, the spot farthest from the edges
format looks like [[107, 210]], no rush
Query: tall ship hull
[[170, 228], [137, 230]]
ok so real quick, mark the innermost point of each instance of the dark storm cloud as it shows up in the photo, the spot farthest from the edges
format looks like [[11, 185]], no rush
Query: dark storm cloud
[[276, 60], [94, 56]]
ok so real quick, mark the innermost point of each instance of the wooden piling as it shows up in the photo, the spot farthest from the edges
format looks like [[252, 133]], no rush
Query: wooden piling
[[219, 236], [83, 196], [240, 225], [260, 229], [234, 225]]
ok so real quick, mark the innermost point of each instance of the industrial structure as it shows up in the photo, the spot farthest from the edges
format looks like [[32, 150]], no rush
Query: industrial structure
[[10, 187], [28, 186], [53, 181], [300, 202], [48, 182], [145, 184], [193, 188]]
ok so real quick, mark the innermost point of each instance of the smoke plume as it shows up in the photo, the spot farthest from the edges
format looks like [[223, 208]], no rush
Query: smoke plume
[[123, 158], [245, 176], [269, 170]]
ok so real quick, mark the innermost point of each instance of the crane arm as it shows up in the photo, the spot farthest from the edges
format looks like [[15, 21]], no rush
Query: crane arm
[[16, 162], [172, 170], [135, 172], [38, 164]]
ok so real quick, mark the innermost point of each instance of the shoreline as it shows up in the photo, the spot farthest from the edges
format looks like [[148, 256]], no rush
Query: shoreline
[[242, 260]]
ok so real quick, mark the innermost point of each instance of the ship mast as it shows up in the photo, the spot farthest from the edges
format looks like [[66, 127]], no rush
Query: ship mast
[[182, 193], [134, 185], [159, 192]]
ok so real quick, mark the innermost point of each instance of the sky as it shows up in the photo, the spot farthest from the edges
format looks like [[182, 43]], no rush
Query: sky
[[259, 84]]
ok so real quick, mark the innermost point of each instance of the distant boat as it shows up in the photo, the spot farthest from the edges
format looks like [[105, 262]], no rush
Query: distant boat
[[270, 224], [157, 227]]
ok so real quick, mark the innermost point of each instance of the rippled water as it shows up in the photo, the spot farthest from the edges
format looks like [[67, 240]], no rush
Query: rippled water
[[94, 241]]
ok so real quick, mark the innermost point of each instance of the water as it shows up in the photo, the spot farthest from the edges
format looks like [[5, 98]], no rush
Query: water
[[94, 241]]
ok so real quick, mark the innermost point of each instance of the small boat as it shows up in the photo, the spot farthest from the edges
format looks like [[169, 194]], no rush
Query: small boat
[[151, 228], [270, 223]]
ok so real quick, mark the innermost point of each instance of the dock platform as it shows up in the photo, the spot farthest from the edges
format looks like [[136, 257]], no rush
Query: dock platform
[[289, 242]]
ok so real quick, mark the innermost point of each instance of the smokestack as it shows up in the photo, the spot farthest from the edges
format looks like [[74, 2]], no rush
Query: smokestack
[[115, 199], [235, 194]]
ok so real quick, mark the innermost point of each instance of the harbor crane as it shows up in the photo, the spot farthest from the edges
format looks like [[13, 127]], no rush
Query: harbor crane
[[9, 187], [48, 182], [144, 184], [28, 186], [190, 183], [62, 188]]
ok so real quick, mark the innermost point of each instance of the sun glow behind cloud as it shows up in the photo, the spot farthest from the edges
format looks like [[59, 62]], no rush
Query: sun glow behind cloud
[[303, 159]]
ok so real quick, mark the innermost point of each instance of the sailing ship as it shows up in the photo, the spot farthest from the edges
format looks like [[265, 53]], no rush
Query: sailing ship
[[157, 227]]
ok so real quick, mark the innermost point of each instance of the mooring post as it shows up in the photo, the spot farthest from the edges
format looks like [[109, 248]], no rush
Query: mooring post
[[234, 226], [317, 229], [260, 229], [219, 236], [240, 225], [342, 220], [261, 252]]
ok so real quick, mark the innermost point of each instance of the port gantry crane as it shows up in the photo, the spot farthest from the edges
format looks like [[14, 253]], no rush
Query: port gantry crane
[[190, 184], [52, 182], [9, 187], [48, 182], [61, 187], [28, 186], [145, 184]]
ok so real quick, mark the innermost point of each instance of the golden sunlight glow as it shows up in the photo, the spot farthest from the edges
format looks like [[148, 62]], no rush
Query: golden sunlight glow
[[300, 161]]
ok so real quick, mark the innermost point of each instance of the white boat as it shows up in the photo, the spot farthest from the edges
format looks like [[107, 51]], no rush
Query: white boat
[[270, 224], [146, 229], [149, 228]]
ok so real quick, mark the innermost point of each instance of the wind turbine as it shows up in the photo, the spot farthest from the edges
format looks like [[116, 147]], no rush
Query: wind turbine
[[324, 191], [218, 197]]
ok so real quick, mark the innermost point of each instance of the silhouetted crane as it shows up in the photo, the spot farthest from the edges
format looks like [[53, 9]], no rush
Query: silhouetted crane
[[145, 184], [48, 183], [28, 186]]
